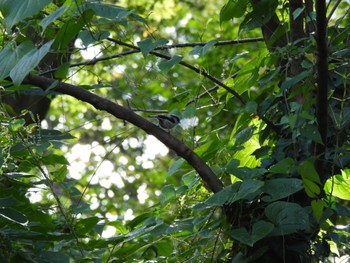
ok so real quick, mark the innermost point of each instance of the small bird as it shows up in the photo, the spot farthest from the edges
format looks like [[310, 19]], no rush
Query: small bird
[[167, 121]]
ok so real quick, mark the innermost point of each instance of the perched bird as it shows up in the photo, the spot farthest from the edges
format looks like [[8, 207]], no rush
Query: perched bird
[[167, 121]]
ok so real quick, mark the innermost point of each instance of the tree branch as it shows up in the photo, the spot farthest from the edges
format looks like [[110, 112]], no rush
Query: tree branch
[[322, 85], [219, 43], [208, 176]]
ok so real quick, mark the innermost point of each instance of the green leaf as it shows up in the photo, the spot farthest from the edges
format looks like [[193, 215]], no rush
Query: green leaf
[[17, 124], [8, 201], [307, 171], [251, 107], [147, 45], [62, 71], [166, 65], [53, 16], [11, 54], [201, 50], [311, 188], [243, 173], [52, 135], [85, 225], [88, 37], [297, 12], [168, 194], [244, 135], [259, 230], [287, 217], [246, 190], [280, 188], [261, 12], [292, 81], [220, 198], [13, 215], [15, 11], [175, 167], [70, 30], [285, 166], [339, 185], [54, 257], [311, 132], [190, 179], [233, 8], [115, 13], [28, 62], [317, 209]]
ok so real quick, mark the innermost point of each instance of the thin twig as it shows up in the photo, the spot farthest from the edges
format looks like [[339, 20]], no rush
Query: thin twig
[[219, 43], [51, 186]]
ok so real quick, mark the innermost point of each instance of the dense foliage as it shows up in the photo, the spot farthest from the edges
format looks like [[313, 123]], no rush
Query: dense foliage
[[257, 171]]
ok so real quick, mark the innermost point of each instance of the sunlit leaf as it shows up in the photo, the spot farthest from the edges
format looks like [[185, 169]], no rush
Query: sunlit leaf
[[339, 185]]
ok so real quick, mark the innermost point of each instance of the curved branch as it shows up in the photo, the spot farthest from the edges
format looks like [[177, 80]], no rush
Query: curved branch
[[208, 176]]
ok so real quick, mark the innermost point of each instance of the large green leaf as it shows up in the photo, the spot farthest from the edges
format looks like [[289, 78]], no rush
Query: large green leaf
[[243, 173], [285, 166], [70, 30], [287, 217], [244, 135], [13, 215], [310, 178], [15, 11], [292, 81], [85, 225], [246, 190], [259, 230], [233, 8], [28, 62], [280, 188], [11, 54]]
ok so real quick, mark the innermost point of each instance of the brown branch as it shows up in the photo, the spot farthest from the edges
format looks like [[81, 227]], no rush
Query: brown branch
[[322, 85], [208, 176]]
